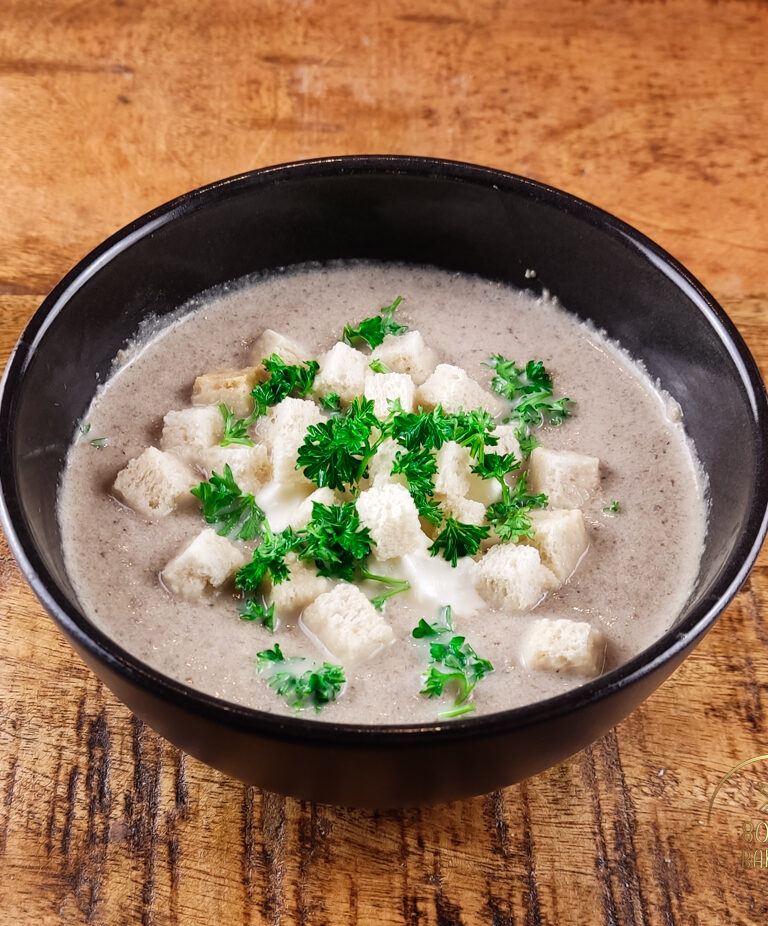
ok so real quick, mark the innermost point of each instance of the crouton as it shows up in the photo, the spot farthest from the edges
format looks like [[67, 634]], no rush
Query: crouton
[[454, 463], [342, 370], [463, 509], [272, 342], [452, 388], [561, 539], [251, 468], [300, 589], [573, 647], [390, 514], [386, 387], [347, 624], [207, 562], [380, 466], [154, 483], [283, 431], [513, 578], [407, 353], [232, 387], [568, 479], [192, 430], [302, 513], [507, 441]]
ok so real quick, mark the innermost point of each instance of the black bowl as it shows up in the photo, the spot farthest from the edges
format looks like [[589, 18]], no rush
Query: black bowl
[[455, 216]]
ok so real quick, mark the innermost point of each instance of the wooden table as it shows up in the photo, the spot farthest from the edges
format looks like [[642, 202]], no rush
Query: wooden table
[[655, 111]]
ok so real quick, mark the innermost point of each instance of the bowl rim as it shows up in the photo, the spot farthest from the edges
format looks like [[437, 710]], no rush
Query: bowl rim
[[662, 651]]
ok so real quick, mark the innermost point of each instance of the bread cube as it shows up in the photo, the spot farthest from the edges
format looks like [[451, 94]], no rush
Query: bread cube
[[390, 514], [386, 387], [342, 370], [463, 509], [454, 463], [154, 483], [572, 647], [507, 441], [407, 353], [272, 342], [207, 562], [251, 468], [561, 539], [283, 430], [300, 589], [513, 578], [302, 514], [347, 624], [452, 388], [568, 479], [380, 466], [232, 387], [191, 430]]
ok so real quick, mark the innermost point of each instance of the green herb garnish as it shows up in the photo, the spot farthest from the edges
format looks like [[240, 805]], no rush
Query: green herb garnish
[[316, 685], [335, 540], [268, 557], [529, 389], [614, 507], [509, 516], [378, 367], [331, 402], [458, 539], [372, 331], [234, 512], [254, 610], [235, 429]]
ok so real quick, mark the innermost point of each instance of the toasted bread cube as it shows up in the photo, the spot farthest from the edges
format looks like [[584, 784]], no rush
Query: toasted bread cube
[[573, 647], [454, 463], [302, 514], [390, 514], [407, 353], [342, 370], [463, 509], [251, 468], [154, 483], [380, 466], [507, 441], [561, 539], [300, 589], [568, 479], [283, 431], [272, 342], [232, 387], [347, 624], [452, 388], [384, 388], [513, 578], [207, 562], [192, 430]]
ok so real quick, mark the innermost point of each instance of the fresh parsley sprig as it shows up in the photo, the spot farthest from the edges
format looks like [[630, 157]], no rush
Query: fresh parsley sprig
[[509, 517], [234, 512], [530, 391], [457, 539], [453, 664], [254, 610], [235, 429], [335, 540], [315, 685], [372, 331], [284, 380], [268, 557]]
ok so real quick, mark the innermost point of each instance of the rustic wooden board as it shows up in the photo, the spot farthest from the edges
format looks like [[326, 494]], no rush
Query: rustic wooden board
[[655, 111]]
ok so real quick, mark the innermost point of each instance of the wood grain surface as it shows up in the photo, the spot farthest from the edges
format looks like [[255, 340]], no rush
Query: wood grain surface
[[656, 111]]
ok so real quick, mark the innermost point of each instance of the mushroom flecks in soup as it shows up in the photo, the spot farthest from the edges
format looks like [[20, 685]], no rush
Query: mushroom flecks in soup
[[391, 521]]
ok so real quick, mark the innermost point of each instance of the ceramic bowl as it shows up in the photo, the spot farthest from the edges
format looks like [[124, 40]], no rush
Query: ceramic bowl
[[417, 210]]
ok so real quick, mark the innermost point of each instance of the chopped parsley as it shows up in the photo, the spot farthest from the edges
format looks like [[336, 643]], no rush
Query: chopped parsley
[[235, 429], [614, 507], [378, 367], [529, 389], [315, 685], [253, 610], [335, 540], [234, 512], [458, 539], [454, 665], [372, 331], [509, 516]]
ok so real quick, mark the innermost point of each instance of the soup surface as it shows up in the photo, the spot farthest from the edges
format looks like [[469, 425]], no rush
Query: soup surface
[[633, 581]]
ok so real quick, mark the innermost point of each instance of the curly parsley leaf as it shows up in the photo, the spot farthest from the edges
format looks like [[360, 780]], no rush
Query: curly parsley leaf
[[453, 664], [509, 517], [613, 508], [284, 380], [429, 430], [315, 686], [372, 331], [335, 540], [268, 557], [235, 429], [458, 539], [331, 402], [394, 587], [253, 610], [336, 452], [378, 367], [234, 512], [529, 389]]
